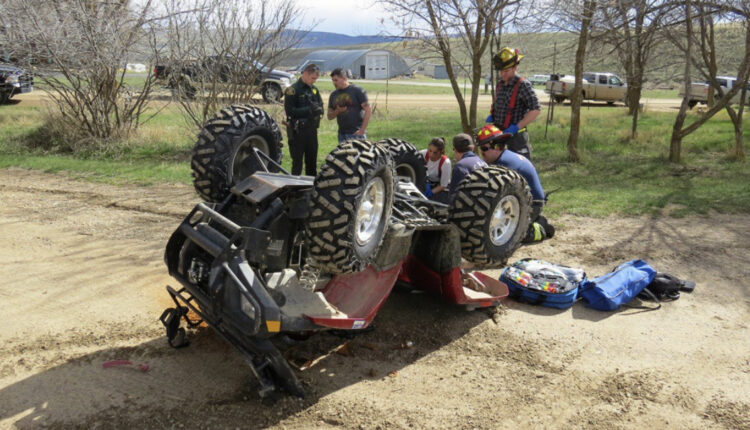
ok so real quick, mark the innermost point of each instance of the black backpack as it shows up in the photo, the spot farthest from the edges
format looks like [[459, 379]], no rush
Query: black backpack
[[666, 287]]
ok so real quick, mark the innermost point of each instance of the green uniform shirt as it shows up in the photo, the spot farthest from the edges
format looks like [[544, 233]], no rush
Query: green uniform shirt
[[298, 100]]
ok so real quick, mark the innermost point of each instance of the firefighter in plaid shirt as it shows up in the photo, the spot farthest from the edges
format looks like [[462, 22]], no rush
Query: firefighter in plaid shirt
[[516, 104]]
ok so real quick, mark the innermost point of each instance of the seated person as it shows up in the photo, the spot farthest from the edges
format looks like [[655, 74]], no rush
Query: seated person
[[492, 144], [438, 171], [466, 160]]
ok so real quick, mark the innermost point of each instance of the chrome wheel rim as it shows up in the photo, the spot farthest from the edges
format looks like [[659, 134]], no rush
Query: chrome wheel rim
[[272, 93], [370, 212], [504, 220]]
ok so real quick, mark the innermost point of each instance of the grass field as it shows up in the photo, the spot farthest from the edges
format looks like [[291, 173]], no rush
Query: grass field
[[616, 175]]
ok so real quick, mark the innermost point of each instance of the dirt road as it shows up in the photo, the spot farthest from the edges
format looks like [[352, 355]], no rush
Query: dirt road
[[404, 101], [83, 283]]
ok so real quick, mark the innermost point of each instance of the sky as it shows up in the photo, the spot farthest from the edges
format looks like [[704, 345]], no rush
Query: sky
[[350, 17]]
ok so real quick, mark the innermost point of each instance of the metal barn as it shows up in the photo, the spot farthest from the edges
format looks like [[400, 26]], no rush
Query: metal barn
[[363, 63]]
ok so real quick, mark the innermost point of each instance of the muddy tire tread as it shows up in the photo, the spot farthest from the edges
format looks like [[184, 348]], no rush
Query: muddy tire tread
[[404, 152], [475, 199], [337, 188], [213, 149]]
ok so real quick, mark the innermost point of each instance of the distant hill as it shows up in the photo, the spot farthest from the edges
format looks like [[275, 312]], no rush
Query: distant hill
[[542, 56], [319, 39]]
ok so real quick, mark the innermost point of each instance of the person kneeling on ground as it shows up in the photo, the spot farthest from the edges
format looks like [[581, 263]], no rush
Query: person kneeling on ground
[[492, 142], [466, 160], [438, 171]]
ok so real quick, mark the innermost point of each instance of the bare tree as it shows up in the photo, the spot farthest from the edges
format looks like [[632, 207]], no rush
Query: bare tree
[[218, 52], [632, 28], [587, 14], [79, 49], [453, 28], [574, 17], [700, 52], [738, 12]]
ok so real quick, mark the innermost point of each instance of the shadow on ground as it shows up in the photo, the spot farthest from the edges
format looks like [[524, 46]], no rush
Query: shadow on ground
[[200, 383]]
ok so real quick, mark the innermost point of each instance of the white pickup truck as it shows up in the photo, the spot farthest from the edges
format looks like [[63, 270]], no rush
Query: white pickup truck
[[606, 87], [699, 91]]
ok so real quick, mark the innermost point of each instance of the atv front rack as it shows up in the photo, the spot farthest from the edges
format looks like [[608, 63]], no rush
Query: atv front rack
[[266, 363]]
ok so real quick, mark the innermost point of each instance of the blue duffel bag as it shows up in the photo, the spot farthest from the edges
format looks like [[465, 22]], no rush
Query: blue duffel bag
[[539, 282], [608, 292]]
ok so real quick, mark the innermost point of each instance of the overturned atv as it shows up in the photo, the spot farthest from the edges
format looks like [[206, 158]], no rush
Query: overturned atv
[[269, 254]]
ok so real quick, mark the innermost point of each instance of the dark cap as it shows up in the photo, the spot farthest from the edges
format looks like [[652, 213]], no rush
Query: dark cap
[[462, 142]]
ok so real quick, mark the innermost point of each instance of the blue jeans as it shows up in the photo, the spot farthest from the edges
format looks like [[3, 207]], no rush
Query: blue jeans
[[345, 137]]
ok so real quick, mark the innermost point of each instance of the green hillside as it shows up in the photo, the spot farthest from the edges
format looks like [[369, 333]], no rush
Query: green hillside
[[539, 50]]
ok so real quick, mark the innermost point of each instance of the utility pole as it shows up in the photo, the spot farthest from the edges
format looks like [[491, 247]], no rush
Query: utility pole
[[551, 103]]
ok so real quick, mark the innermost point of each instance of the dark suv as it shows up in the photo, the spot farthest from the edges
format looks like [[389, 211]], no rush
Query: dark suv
[[14, 80], [227, 71]]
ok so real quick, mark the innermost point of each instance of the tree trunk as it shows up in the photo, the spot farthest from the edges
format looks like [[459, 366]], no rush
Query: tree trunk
[[634, 102], [739, 150], [445, 51], [575, 103], [476, 78], [675, 143], [633, 94]]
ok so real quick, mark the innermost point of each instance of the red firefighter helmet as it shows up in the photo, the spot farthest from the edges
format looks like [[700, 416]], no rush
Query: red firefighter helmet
[[488, 134]]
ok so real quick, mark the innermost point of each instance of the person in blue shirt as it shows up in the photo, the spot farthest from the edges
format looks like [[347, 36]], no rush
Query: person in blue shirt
[[466, 160], [492, 143]]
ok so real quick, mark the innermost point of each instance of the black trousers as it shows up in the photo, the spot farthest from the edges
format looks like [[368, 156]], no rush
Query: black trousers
[[520, 144], [303, 145]]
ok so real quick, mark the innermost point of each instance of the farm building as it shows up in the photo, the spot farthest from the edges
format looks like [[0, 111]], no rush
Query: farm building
[[363, 63]]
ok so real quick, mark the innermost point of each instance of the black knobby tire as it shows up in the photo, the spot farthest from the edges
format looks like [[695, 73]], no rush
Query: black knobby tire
[[408, 161], [341, 237], [489, 241], [223, 154]]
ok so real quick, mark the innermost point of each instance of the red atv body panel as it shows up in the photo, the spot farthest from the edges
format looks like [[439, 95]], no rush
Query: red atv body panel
[[359, 295], [449, 285]]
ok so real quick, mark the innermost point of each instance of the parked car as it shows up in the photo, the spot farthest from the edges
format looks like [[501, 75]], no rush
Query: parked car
[[539, 79], [606, 87], [225, 71], [699, 91], [14, 80]]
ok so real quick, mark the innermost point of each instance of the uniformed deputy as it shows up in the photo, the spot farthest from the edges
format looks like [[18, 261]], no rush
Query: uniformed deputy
[[304, 107], [516, 104]]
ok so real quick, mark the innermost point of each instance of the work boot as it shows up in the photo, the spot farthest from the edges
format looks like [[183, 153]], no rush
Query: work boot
[[535, 233], [539, 230]]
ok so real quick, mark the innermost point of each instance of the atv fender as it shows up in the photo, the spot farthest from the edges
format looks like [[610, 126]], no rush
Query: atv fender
[[358, 295]]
